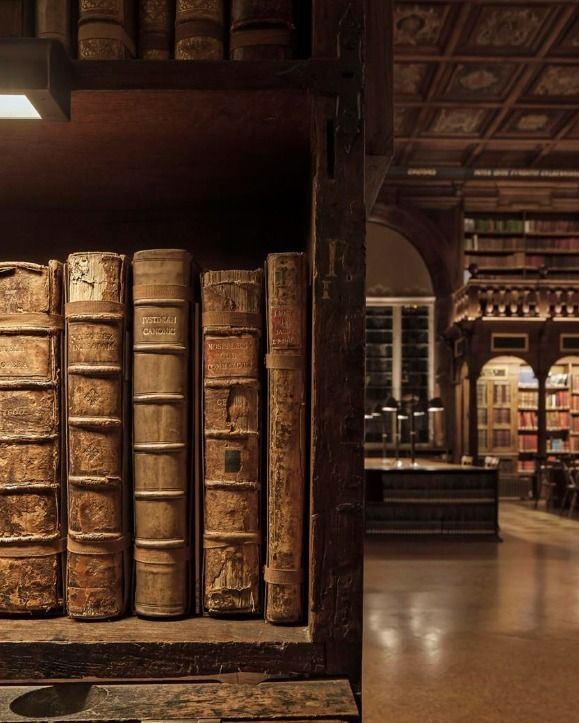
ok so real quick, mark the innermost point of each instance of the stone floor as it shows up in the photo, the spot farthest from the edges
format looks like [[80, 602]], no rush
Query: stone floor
[[475, 631]]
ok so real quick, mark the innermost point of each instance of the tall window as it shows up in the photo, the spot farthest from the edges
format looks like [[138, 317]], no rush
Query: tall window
[[399, 362]]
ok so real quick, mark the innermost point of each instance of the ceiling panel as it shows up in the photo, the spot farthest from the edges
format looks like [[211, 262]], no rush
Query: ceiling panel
[[486, 81]]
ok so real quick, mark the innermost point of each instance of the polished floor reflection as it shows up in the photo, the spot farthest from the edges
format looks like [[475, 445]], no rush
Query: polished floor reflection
[[475, 631]]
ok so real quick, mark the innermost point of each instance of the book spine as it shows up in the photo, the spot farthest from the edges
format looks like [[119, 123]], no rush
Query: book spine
[[97, 505], [199, 30], [162, 472], [53, 21], [286, 467], [156, 29], [31, 522], [16, 18], [106, 29], [262, 29], [231, 324]]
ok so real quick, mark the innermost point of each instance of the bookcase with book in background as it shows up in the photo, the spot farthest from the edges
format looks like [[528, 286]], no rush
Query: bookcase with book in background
[[230, 161], [522, 244]]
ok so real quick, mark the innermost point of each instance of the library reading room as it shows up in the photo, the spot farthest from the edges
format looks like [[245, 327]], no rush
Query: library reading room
[[289, 361]]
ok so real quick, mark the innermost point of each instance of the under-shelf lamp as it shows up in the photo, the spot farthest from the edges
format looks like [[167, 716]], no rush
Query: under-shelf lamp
[[390, 405], [34, 80], [435, 405]]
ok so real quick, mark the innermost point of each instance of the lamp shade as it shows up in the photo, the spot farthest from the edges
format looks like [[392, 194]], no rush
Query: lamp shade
[[390, 405], [34, 80], [435, 405]]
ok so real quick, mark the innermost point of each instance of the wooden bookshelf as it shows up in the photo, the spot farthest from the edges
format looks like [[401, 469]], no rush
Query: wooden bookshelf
[[521, 243], [231, 161]]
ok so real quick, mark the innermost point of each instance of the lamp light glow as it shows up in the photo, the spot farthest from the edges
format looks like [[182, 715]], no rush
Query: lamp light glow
[[390, 405], [17, 107]]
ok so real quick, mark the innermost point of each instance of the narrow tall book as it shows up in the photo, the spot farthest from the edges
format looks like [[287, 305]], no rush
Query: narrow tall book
[[162, 470], [199, 30], [156, 23], [97, 583], [231, 323], [16, 18], [53, 21], [262, 29], [287, 294], [31, 520], [106, 29]]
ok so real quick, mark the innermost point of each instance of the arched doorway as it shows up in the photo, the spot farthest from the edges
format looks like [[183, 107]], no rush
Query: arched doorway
[[400, 339]]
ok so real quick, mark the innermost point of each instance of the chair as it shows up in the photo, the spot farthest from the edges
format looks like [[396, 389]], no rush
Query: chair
[[546, 482], [571, 488]]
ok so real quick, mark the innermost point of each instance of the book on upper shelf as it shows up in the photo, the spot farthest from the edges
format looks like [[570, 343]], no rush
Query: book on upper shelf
[[161, 423], [16, 18], [156, 26], [53, 21], [232, 322], [262, 29], [106, 29], [200, 30], [31, 490], [98, 514]]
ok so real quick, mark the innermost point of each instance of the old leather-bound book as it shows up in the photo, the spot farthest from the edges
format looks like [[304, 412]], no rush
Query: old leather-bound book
[[106, 29], [53, 21], [231, 322], [286, 370], [16, 18], [199, 29], [95, 315], [262, 29], [156, 22], [31, 519], [162, 471]]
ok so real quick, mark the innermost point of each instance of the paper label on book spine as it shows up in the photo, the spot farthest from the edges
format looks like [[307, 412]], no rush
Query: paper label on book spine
[[94, 343], [231, 356], [157, 325], [285, 327], [25, 356]]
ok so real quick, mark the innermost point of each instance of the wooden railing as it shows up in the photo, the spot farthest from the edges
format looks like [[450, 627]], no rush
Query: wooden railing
[[517, 298]]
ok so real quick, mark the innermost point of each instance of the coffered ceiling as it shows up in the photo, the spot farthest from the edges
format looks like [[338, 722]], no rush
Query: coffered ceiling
[[486, 84]]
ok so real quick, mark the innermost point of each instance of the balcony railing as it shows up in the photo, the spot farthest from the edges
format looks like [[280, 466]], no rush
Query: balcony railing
[[517, 298]]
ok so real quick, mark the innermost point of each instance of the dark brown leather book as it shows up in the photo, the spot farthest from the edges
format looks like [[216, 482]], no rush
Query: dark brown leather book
[[199, 30], [97, 580], [16, 18], [287, 296], [53, 21], [162, 459], [231, 323], [156, 23], [262, 29], [31, 520], [106, 29]]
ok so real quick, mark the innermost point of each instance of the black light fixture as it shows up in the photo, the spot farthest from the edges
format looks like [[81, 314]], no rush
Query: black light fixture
[[435, 405], [35, 80], [390, 405]]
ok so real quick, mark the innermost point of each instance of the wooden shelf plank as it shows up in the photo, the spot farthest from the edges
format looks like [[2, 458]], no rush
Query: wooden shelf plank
[[225, 701], [61, 648], [100, 75]]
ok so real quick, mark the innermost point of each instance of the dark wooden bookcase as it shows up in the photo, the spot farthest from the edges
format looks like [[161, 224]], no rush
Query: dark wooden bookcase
[[232, 161]]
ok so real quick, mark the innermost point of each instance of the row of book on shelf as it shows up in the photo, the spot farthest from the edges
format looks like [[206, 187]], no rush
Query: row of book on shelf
[[501, 224], [183, 532], [521, 244], [162, 29], [519, 259]]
